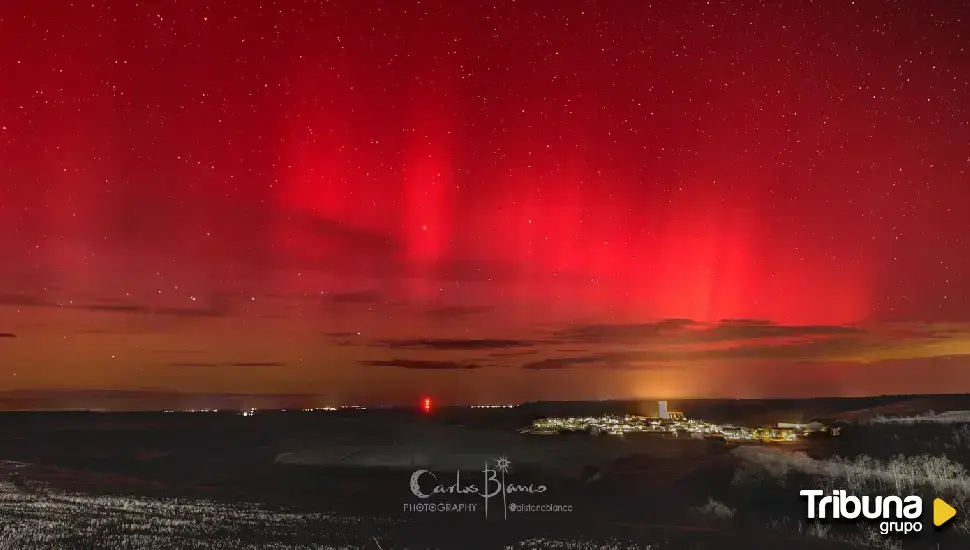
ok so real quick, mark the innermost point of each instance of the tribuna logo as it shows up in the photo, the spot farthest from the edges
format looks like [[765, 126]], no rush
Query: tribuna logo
[[839, 505]]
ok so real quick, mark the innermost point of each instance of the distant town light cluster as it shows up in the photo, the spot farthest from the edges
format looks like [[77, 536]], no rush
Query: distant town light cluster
[[673, 423], [492, 406], [251, 411]]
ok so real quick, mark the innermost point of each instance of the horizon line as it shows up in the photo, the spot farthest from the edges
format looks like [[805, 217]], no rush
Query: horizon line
[[363, 406]]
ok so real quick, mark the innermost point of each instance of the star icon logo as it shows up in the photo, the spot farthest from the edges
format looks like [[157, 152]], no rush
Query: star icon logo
[[502, 464]]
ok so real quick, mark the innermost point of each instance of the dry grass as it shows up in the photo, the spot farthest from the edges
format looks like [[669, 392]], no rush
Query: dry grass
[[556, 544], [949, 417], [866, 537], [716, 509], [899, 474]]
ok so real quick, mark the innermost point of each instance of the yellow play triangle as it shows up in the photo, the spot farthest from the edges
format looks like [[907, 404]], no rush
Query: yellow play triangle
[[942, 512]]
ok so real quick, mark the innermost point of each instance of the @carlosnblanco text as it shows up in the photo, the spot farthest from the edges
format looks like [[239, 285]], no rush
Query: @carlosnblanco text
[[540, 507]]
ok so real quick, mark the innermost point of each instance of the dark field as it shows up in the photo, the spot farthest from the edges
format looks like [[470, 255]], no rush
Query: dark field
[[211, 480]]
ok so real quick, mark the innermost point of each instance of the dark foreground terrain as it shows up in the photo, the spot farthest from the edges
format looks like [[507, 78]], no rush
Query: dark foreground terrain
[[215, 480]]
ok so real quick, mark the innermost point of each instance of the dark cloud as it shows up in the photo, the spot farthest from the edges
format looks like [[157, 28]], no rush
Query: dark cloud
[[620, 332], [620, 365], [514, 353], [560, 363], [422, 365], [656, 345], [812, 349], [925, 332], [362, 253], [824, 348], [120, 308], [241, 364], [454, 344], [42, 392], [333, 234], [366, 253], [458, 312], [346, 343], [742, 329], [360, 297], [347, 339], [609, 361], [22, 299], [686, 330], [218, 306], [466, 270], [7, 335]]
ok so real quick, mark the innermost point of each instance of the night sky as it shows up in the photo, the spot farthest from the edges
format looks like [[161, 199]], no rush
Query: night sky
[[375, 201]]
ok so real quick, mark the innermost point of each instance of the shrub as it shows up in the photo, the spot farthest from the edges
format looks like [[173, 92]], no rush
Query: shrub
[[869, 537], [961, 437], [820, 530], [716, 509]]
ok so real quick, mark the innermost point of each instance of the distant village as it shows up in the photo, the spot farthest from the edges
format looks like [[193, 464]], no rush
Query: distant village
[[675, 423]]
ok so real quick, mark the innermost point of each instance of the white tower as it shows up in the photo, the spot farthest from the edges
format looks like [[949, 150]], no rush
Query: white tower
[[663, 410]]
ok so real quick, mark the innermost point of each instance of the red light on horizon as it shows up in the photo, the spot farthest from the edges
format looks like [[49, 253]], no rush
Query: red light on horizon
[[426, 404]]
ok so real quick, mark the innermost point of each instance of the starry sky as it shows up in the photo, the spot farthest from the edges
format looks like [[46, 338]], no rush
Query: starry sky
[[372, 201]]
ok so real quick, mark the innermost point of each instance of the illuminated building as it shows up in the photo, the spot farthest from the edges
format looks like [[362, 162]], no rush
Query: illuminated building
[[810, 427]]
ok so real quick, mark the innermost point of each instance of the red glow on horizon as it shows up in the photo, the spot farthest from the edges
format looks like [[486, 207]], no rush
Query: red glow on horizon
[[426, 404]]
